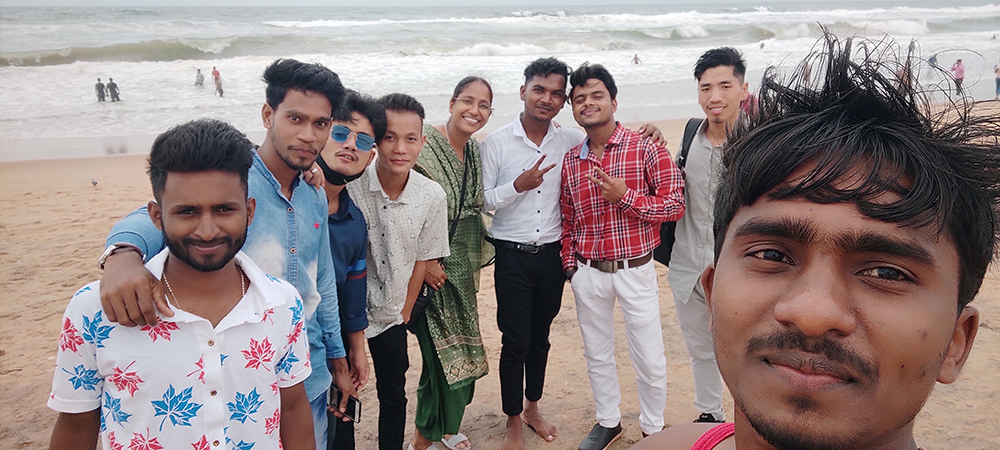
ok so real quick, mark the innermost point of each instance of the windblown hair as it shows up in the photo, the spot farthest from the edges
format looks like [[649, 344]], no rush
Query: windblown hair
[[543, 67], [467, 81], [285, 74], [402, 103], [722, 56], [199, 146], [588, 71], [367, 107], [854, 119]]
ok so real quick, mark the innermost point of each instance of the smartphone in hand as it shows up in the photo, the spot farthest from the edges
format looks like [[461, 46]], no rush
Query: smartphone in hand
[[333, 398]]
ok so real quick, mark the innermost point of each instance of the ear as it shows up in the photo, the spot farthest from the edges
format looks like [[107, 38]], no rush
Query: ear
[[960, 345], [251, 208], [155, 214], [523, 87], [451, 106], [614, 105], [423, 140], [708, 283], [746, 89], [267, 115], [371, 156]]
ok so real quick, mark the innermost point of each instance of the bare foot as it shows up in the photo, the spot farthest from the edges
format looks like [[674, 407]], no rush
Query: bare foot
[[533, 418], [419, 441], [513, 439]]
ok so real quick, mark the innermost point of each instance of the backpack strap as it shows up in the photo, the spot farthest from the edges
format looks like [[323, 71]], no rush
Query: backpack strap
[[690, 130]]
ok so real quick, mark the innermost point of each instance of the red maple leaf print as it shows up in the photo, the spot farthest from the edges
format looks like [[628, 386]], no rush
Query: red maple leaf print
[[114, 445], [200, 370], [274, 387], [296, 332], [161, 330], [259, 353], [272, 422], [267, 315], [125, 380], [202, 444], [70, 338], [140, 442]]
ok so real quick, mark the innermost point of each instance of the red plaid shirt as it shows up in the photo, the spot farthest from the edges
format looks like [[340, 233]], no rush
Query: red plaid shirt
[[597, 229]]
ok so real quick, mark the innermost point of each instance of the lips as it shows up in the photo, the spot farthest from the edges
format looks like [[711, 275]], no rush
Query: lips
[[471, 120], [347, 156], [809, 372], [303, 151]]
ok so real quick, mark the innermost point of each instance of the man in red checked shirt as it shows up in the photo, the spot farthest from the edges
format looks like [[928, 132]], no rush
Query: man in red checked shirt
[[616, 190]]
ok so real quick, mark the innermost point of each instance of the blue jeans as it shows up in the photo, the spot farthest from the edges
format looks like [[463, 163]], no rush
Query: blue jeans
[[321, 422]]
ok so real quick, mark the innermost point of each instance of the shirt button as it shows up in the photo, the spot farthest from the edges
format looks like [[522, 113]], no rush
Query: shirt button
[[384, 207], [292, 250], [539, 192], [290, 209], [211, 343], [539, 211], [214, 393], [215, 443]]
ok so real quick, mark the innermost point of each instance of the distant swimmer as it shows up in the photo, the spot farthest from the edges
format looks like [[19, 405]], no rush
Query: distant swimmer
[[218, 81], [113, 90], [199, 78], [996, 72], [636, 60], [958, 69], [100, 90]]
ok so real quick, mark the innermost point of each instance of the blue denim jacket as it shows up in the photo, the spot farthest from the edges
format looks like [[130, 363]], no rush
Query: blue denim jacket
[[288, 239]]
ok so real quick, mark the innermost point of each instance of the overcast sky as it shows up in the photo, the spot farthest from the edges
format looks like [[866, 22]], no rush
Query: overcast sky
[[351, 3]]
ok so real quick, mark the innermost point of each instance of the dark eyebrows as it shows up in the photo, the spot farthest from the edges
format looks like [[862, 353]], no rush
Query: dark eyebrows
[[868, 242], [798, 230]]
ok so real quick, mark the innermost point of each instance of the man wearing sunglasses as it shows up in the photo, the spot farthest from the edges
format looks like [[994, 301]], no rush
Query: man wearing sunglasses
[[288, 237], [356, 126]]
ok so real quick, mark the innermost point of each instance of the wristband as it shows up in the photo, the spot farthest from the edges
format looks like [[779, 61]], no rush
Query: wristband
[[115, 248]]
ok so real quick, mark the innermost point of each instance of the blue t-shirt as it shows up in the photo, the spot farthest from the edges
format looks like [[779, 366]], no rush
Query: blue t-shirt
[[348, 242]]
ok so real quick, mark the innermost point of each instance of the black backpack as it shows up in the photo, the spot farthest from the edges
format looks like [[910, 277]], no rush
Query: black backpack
[[662, 252]]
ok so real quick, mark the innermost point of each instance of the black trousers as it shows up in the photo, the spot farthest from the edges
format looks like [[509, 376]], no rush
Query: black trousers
[[390, 359], [529, 289], [343, 439]]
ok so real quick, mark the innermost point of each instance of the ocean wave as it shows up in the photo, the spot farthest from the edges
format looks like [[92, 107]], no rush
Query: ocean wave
[[158, 50], [901, 28], [490, 49]]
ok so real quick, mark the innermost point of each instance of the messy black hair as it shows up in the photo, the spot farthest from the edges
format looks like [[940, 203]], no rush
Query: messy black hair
[[367, 107], [199, 146], [722, 56], [855, 119], [402, 103], [543, 67], [284, 74], [588, 71]]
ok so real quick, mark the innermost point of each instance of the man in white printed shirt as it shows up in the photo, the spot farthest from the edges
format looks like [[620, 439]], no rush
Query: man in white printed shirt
[[227, 368]]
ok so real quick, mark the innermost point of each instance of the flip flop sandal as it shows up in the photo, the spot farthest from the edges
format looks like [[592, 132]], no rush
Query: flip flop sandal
[[456, 439], [432, 447]]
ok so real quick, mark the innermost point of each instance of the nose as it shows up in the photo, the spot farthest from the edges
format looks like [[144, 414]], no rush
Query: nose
[[817, 303], [207, 229], [351, 143], [307, 134]]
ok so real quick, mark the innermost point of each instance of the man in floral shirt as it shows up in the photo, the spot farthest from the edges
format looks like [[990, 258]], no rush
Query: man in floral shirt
[[226, 370]]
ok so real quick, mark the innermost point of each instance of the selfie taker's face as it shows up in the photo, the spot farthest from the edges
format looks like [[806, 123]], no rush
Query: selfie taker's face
[[830, 327]]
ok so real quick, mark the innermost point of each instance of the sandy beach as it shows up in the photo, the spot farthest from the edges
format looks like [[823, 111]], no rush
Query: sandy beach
[[53, 222]]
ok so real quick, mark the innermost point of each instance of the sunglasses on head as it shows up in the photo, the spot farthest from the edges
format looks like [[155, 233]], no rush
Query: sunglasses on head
[[362, 141]]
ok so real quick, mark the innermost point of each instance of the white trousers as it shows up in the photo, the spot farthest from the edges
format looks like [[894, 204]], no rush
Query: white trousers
[[697, 331], [637, 292]]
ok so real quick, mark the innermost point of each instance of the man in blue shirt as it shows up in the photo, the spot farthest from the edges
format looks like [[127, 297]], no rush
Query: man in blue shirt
[[357, 125], [287, 238]]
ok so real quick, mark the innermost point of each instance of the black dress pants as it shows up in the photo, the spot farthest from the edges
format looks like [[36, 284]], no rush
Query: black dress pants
[[390, 361], [529, 289]]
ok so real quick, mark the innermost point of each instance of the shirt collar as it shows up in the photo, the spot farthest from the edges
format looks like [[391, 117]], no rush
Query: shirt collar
[[258, 164], [615, 138], [344, 210], [262, 294], [519, 130], [375, 186]]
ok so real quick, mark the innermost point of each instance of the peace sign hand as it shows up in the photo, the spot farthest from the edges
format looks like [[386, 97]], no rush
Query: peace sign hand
[[612, 189], [531, 178]]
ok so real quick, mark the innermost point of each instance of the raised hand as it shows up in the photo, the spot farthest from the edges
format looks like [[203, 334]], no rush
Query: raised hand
[[532, 178]]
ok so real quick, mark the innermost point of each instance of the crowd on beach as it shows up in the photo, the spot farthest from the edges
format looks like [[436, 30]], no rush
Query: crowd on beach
[[824, 237]]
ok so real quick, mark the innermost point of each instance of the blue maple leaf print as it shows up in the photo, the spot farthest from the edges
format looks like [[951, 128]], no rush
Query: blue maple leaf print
[[269, 277], [84, 289], [94, 332], [243, 445], [244, 406], [285, 363], [296, 311], [222, 359], [82, 378], [113, 409], [177, 407], [104, 426]]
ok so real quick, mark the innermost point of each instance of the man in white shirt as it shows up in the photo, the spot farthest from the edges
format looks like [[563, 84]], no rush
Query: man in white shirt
[[521, 178], [169, 385], [407, 226], [721, 87]]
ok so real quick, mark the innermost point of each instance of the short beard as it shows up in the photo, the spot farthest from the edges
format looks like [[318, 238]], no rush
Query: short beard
[[293, 165], [179, 250], [782, 438]]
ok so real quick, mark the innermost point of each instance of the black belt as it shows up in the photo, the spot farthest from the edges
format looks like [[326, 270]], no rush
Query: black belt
[[526, 248], [614, 266]]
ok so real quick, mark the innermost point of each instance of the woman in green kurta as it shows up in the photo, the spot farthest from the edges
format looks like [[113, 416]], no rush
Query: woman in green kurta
[[450, 343]]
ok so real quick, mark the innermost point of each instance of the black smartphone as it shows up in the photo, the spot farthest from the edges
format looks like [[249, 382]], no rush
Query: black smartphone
[[333, 398]]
